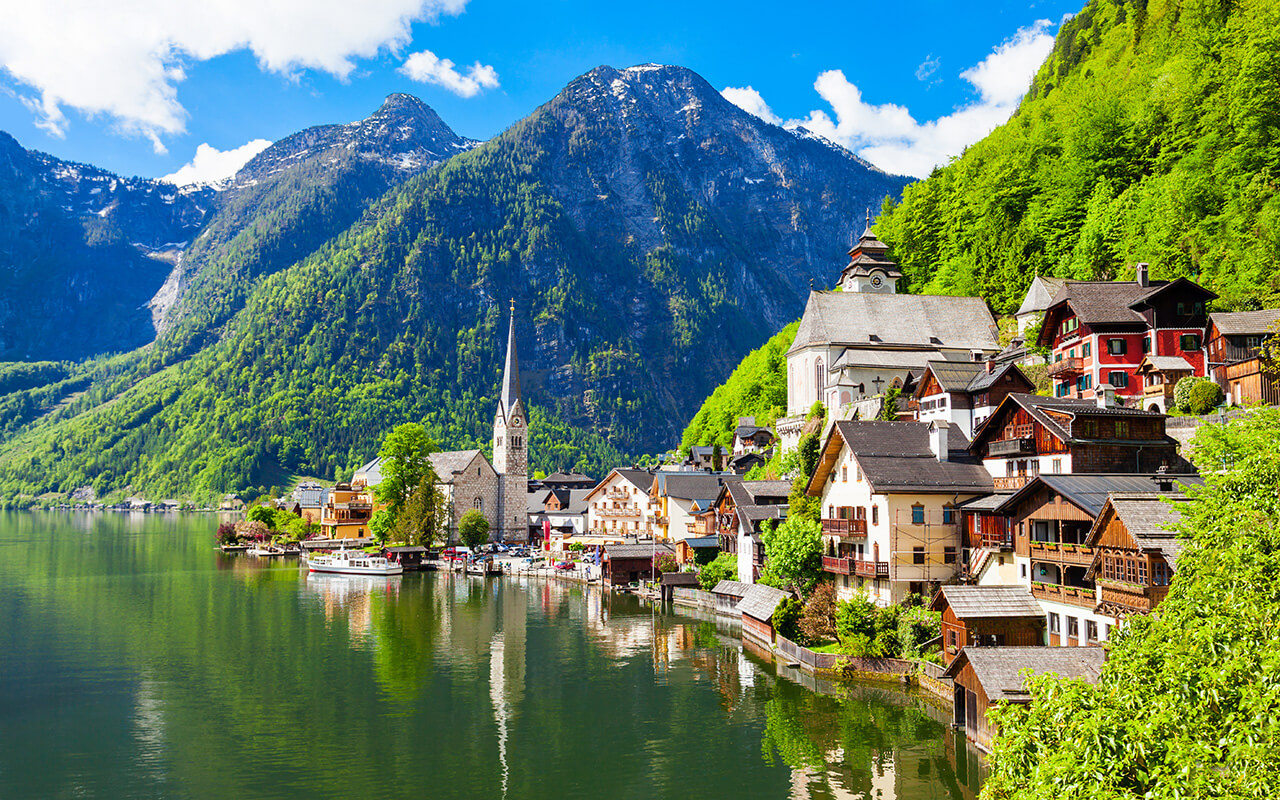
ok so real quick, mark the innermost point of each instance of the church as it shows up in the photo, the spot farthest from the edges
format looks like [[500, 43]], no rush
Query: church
[[468, 480], [857, 341]]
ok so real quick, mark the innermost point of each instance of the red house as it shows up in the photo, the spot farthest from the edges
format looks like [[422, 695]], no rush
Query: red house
[[1099, 331]]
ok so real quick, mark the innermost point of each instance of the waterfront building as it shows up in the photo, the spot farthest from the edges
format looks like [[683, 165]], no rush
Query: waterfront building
[[631, 562], [1099, 332], [1233, 342], [889, 496], [757, 606], [620, 504], [740, 510], [346, 511], [987, 616], [681, 496]]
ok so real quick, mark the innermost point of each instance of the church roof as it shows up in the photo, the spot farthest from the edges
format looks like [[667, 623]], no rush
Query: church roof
[[1040, 294], [448, 463], [925, 321], [511, 373]]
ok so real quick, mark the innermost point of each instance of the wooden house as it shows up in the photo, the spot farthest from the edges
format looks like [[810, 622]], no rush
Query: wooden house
[[408, 557], [757, 607], [622, 564], [966, 392], [698, 550], [728, 595], [1159, 376], [987, 616], [1232, 345], [1135, 551], [985, 676], [740, 510]]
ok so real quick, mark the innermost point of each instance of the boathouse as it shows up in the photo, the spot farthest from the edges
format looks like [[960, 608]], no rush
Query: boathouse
[[728, 595], [757, 607], [631, 563], [987, 616]]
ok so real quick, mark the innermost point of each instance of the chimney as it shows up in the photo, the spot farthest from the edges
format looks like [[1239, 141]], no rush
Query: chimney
[[1140, 274], [991, 364], [938, 440], [1106, 395]]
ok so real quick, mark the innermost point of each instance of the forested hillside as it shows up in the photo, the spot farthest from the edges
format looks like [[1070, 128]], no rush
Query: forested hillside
[[757, 388], [649, 232], [1152, 133]]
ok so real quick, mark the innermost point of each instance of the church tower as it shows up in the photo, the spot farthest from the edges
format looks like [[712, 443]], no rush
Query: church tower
[[869, 268], [510, 449]]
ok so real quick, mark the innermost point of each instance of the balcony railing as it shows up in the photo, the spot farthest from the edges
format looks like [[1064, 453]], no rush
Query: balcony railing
[[1067, 366], [1011, 447], [1129, 597], [1011, 483], [871, 569], [844, 527], [1081, 596], [840, 566], [1058, 553], [661, 520], [998, 541]]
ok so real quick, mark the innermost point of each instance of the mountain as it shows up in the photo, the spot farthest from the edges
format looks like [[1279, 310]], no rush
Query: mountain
[[1152, 133], [81, 252], [649, 231]]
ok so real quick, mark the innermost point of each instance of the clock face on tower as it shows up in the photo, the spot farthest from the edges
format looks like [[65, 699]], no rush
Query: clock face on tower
[[877, 281], [515, 420]]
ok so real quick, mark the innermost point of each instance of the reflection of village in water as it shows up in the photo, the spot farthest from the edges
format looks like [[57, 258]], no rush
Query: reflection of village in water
[[838, 740]]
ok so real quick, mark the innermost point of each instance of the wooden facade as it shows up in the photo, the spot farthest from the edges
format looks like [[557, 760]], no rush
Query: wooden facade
[[971, 706], [987, 632], [1130, 580]]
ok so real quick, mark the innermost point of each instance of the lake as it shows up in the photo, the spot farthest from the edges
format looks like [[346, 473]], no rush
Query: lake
[[137, 662]]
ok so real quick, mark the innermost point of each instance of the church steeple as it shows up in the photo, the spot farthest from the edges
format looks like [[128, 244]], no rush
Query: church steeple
[[869, 268], [511, 373]]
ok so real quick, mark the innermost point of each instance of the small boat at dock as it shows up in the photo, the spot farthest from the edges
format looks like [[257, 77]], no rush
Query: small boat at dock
[[353, 562]]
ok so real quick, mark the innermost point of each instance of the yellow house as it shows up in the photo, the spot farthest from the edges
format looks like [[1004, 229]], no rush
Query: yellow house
[[345, 512]]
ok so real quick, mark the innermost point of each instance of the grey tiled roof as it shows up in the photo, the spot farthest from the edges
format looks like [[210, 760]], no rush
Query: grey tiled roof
[[970, 376], [754, 515], [750, 493], [761, 601], [989, 502], [999, 668], [691, 485], [987, 602], [642, 550], [896, 456], [1149, 519], [1104, 302], [906, 319], [1089, 491], [1165, 364], [731, 588], [449, 462], [1040, 294], [1036, 405], [1245, 323]]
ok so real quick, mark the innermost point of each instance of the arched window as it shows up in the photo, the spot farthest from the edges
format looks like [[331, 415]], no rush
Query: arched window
[[819, 378], [479, 504]]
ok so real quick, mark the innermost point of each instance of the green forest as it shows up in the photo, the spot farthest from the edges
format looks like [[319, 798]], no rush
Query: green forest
[[1151, 134]]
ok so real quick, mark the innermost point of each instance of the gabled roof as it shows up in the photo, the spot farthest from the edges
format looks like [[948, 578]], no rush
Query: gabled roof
[[732, 588], [1111, 302], [690, 485], [643, 550], [1245, 323], [1040, 294], [988, 602], [761, 601], [568, 477], [1089, 491], [751, 493], [895, 456], [642, 479], [450, 462], [754, 515], [1037, 406], [971, 376], [1149, 518], [1164, 364], [923, 321], [536, 502], [999, 669], [703, 542], [744, 431], [577, 504]]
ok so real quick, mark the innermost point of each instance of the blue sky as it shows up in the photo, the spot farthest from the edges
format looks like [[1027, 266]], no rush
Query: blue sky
[[138, 86]]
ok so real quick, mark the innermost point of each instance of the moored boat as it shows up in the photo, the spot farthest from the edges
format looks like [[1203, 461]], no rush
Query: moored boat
[[353, 562]]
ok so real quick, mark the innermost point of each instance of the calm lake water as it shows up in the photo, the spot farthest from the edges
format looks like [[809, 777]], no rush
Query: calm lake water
[[136, 661]]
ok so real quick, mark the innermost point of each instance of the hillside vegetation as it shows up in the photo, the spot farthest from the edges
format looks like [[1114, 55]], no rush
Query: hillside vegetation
[[757, 387], [1152, 133]]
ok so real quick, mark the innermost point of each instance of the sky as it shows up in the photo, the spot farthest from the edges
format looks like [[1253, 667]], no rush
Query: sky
[[190, 91]]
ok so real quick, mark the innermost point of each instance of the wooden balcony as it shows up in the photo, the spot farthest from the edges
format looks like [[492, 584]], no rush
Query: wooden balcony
[[871, 569], [1012, 447], [1070, 595], [1011, 483], [997, 541], [844, 527], [1121, 598], [1065, 367], [840, 566], [1075, 555]]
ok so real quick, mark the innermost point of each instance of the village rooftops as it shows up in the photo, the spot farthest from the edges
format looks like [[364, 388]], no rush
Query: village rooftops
[[897, 457], [690, 485], [751, 493], [1245, 323], [955, 377], [906, 320], [989, 602], [999, 669], [732, 588], [1049, 412], [1089, 491], [1111, 304], [641, 550]]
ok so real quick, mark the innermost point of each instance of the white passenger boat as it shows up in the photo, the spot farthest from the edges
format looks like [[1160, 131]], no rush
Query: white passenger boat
[[353, 562]]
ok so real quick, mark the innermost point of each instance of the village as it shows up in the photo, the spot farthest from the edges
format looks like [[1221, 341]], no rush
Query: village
[[1022, 497]]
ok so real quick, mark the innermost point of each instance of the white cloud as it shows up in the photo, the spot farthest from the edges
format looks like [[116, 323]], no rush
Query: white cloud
[[928, 67], [750, 101], [426, 67], [889, 137], [123, 59], [211, 165]]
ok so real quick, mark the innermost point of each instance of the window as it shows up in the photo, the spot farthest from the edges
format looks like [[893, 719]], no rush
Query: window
[[917, 515], [1057, 466], [1073, 627], [499, 441], [1055, 625], [1118, 378], [1024, 570], [819, 377], [1106, 631], [857, 472], [1146, 345], [1161, 574], [1087, 350], [948, 515], [1091, 630], [1189, 342], [1122, 429], [875, 515], [917, 555], [844, 474], [948, 555], [1116, 347]]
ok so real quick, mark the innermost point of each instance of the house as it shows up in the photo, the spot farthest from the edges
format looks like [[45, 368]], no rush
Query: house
[[1028, 435], [757, 607], [1232, 345], [536, 508], [1039, 297], [749, 437], [697, 549], [744, 463], [680, 496], [231, 502], [728, 595], [567, 515], [622, 564], [741, 508], [1099, 331], [1051, 519], [966, 392], [985, 676], [620, 504], [346, 512], [987, 616], [1135, 551], [889, 495], [1159, 376], [986, 557], [410, 558], [567, 480], [307, 499], [671, 581], [859, 342]]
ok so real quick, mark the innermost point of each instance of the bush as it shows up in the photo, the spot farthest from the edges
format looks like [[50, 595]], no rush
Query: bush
[[818, 622], [227, 533], [723, 568], [665, 562], [473, 528], [1205, 396], [1182, 391], [786, 619]]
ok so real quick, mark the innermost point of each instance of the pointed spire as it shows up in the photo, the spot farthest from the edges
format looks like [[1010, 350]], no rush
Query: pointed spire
[[867, 230], [511, 374]]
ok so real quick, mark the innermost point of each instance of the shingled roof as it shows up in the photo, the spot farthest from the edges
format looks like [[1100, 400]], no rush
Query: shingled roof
[[1036, 406], [691, 485], [1150, 519], [1245, 323], [999, 669], [761, 601], [643, 550], [924, 321], [988, 602], [970, 376], [1089, 491], [895, 456], [732, 588]]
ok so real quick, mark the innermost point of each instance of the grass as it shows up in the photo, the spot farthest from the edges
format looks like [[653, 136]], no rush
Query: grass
[[829, 647]]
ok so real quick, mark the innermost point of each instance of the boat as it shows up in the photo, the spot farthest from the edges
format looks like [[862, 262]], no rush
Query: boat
[[353, 562]]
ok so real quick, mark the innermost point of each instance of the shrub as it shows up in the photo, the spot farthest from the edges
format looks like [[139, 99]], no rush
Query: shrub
[[723, 568], [227, 533], [818, 622], [1205, 396], [473, 528], [1182, 391], [786, 619], [665, 562]]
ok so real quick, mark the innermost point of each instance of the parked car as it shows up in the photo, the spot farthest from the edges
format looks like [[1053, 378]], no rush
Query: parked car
[[532, 560], [565, 565], [460, 551]]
